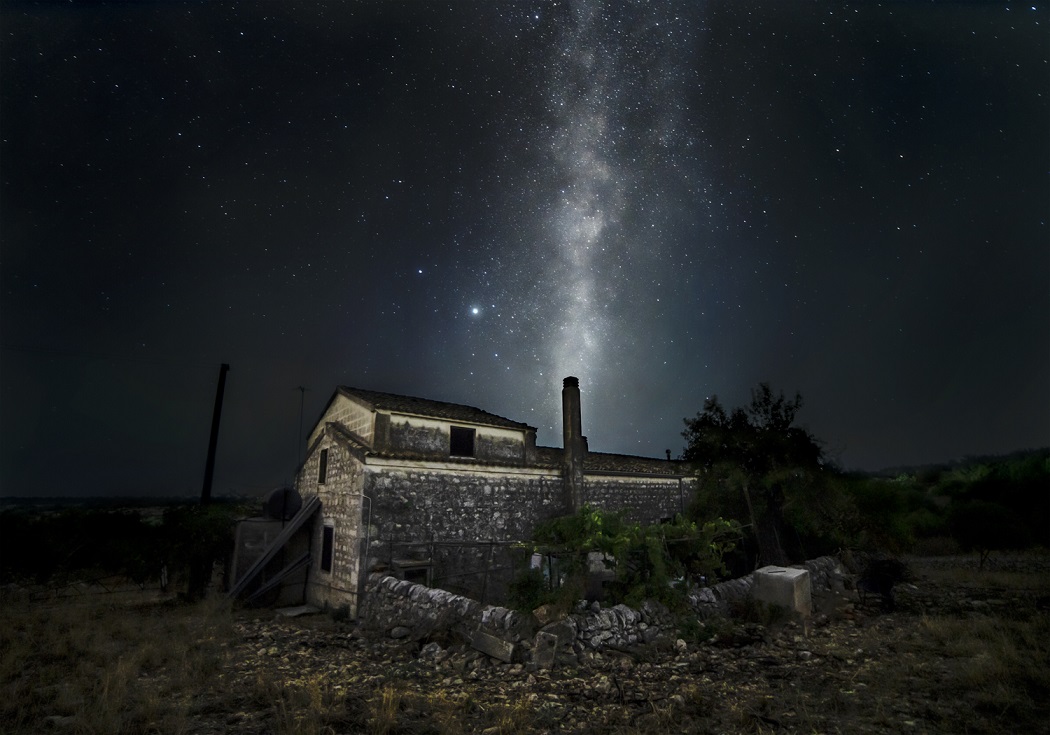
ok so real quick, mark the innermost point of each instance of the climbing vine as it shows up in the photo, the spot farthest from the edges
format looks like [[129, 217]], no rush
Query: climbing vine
[[657, 561]]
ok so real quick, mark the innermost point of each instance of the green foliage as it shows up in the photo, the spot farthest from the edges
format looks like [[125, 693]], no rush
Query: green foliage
[[758, 439], [531, 589], [654, 561], [819, 511], [528, 590], [882, 508], [753, 453], [753, 466], [588, 530]]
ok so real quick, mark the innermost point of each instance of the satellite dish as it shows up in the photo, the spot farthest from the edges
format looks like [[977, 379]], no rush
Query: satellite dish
[[282, 504]]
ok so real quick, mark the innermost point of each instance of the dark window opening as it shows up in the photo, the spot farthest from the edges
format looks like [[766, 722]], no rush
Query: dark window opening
[[461, 442], [322, 468], [327, 544]]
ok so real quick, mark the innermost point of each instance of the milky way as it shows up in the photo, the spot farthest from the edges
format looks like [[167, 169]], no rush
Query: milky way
[[470, 201], [615, 164]]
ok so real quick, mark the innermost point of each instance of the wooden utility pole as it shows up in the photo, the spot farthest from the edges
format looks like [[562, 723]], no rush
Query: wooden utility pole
[[209, 466], [201, 555], [299, 439]]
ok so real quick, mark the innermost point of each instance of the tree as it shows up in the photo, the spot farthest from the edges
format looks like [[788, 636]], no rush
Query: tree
[[755, 451]]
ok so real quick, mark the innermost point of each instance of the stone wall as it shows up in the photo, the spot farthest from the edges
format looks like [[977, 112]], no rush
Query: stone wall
[[642, 500], [400, 609], [416, 503], [459, 504], [475, 504], [341, 503]]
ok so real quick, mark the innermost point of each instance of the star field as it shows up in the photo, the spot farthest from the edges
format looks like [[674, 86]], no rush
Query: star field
[[470, 201]]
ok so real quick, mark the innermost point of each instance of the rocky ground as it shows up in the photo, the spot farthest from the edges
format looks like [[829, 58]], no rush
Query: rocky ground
[[962, 651]]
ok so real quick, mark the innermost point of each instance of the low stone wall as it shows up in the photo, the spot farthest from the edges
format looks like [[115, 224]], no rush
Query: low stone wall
[[401, 609], [406, 610], [621, 626], [826, 574]]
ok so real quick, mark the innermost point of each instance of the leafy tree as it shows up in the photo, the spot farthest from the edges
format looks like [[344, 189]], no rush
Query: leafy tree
[[756, 452]]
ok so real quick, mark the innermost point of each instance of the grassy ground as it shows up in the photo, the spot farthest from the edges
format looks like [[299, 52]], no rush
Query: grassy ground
[[966, 651]]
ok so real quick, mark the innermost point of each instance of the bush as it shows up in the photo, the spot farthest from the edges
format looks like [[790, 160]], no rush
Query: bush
[[656, 561]]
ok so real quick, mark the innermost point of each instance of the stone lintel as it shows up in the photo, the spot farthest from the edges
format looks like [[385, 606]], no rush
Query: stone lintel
[[490, 645]]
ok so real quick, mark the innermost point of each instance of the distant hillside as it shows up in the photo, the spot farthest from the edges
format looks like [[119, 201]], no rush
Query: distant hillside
[[928, 469], [115, 502]]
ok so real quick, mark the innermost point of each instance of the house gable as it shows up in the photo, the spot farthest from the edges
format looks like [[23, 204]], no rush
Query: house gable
[[349, 412], [422, 437], [419, 428]]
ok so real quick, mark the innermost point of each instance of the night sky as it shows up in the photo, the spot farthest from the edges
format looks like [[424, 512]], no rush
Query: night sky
[[469, 201]]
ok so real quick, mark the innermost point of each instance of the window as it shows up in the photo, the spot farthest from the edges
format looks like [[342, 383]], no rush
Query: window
[[461, 441], [322, 467], [327, 543]]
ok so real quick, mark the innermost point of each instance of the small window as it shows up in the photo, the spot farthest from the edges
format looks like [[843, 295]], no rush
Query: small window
[[327, 543], [322, 468], [461, 441]]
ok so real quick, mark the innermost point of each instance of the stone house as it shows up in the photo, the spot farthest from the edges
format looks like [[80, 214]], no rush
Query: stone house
[[441, 493]]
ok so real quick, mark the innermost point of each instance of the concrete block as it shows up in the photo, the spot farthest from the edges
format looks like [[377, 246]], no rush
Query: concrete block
[[490, 645], [790, 588]]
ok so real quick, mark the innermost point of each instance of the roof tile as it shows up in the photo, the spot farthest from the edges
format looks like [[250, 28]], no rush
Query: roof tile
[[429, 407]]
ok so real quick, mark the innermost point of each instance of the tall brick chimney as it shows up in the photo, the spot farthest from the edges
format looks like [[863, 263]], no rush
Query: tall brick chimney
[[574, 442]]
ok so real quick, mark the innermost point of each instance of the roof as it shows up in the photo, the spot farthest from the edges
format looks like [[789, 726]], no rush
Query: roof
[[428, 407], [602, 462]]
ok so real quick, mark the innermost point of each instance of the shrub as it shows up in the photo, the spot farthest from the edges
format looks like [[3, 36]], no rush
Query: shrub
[[656, 561]]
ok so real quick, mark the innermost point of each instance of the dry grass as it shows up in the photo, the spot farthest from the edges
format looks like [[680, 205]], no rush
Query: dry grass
[[108, 667], [105, 666], [990, 579], [312, 705], [396, 708], [999, 666], [385, 710]]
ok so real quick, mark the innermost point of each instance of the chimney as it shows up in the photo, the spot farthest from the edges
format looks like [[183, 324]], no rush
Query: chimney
[[574, 442]]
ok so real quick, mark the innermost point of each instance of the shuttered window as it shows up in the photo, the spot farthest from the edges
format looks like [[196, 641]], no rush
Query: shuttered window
[[327, 544], [322, 468]]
